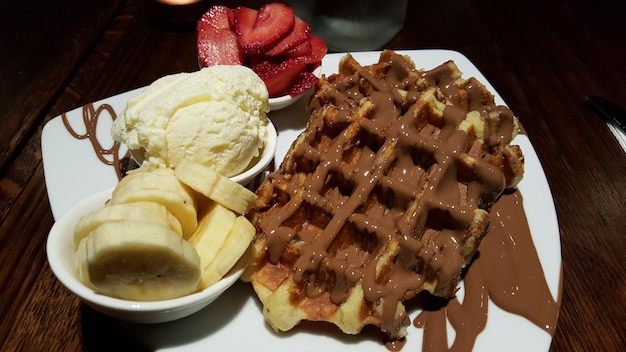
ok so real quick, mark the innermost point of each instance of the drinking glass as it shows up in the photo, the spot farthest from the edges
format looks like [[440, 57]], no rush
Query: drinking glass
[[352, 25]]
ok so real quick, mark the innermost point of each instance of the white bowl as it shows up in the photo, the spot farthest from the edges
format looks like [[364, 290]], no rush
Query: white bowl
[[260, 163], [60, 251], [286, 100], [283, 101]]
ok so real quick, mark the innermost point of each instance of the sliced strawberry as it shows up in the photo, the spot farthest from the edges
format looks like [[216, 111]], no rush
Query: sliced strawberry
[[319, 50], [257, 31], [216, 42], [300, 33], [275, 43], [253, 60], [312, 67], [305, 81], [216, 17], [301, 50], [231, 19], [279, 78]]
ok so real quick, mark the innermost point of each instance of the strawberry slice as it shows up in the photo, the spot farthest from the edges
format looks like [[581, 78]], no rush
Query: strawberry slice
[[305, 81], [260, 30], [279, 78], [318, 50], [301, 50], [231, 19], [216, 42], [300, 33]]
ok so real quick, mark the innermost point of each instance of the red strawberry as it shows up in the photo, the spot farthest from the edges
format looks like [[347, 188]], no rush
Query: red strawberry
[[272, 41], [216, 42], [217, 17], [279, 78], [305, 81], [300, 33], [300, 50], [253, 60], [231, 19], [319, 50], [258, 31]]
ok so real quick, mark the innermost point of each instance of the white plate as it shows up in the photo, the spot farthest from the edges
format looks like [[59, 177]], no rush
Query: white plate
[[235, 322]]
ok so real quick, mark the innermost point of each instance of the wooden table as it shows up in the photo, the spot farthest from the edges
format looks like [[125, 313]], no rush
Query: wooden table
[[543, 57]]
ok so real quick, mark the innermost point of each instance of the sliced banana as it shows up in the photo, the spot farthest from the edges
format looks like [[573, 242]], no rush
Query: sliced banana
[[175, 225], [81, 263], [153, 178], [214, 185], [140, 261], [213, 229], [149, 212], [183, 208], [177, 197], [132, 248], [236, 244]]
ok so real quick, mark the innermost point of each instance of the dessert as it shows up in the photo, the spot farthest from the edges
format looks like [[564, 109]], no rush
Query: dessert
[[215, 116], [272, 41], [159, 186], [138, 261], [149, 212], [214, 186], [385, 194], [221, 234], [157, 238], [175, 225]]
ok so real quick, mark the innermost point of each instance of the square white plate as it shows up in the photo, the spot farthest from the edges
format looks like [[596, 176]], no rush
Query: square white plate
[[235, 322]]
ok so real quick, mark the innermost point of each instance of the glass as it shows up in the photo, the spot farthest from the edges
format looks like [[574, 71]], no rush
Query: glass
[[352, 25]]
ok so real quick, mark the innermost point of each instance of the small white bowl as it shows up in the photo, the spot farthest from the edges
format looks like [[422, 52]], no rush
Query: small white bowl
[[283, 101], [260, 163], [286, 100], [60, 251]]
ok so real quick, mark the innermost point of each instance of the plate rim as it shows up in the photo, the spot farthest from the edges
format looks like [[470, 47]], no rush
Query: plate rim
[[328, 60]]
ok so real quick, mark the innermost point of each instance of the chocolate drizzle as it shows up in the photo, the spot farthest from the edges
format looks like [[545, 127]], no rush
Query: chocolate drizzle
[[108, 156], [386, 162], [507, 270]]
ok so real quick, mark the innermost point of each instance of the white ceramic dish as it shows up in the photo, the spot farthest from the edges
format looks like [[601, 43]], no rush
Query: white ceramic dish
[[65, 154], [284, 101], [60, 251], [73, 172]]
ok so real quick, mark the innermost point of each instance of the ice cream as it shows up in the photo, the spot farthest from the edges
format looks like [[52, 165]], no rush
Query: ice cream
[[217, 116]]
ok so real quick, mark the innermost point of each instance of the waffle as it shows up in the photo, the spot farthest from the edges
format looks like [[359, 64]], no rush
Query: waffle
[[386, 193]]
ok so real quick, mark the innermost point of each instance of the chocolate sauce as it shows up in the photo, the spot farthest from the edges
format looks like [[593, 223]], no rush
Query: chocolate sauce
[[432, 184], [507, 270], [108, 156]]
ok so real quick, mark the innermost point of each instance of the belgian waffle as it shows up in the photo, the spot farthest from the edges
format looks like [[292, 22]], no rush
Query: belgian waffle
[[385, 193]]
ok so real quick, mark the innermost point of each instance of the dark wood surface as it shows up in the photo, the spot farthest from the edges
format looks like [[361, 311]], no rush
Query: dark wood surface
[[543, 57]]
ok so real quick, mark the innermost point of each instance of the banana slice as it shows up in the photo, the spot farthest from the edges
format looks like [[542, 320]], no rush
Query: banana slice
[[140, 261], [236, 244], [215, 224], [150, 212], [214, 186], [153, 178], [177, 197], [175, 225], [81, 263], [182, 207]]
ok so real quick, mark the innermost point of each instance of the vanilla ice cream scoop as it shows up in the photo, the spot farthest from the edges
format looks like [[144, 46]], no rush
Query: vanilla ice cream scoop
[[216, 116]]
